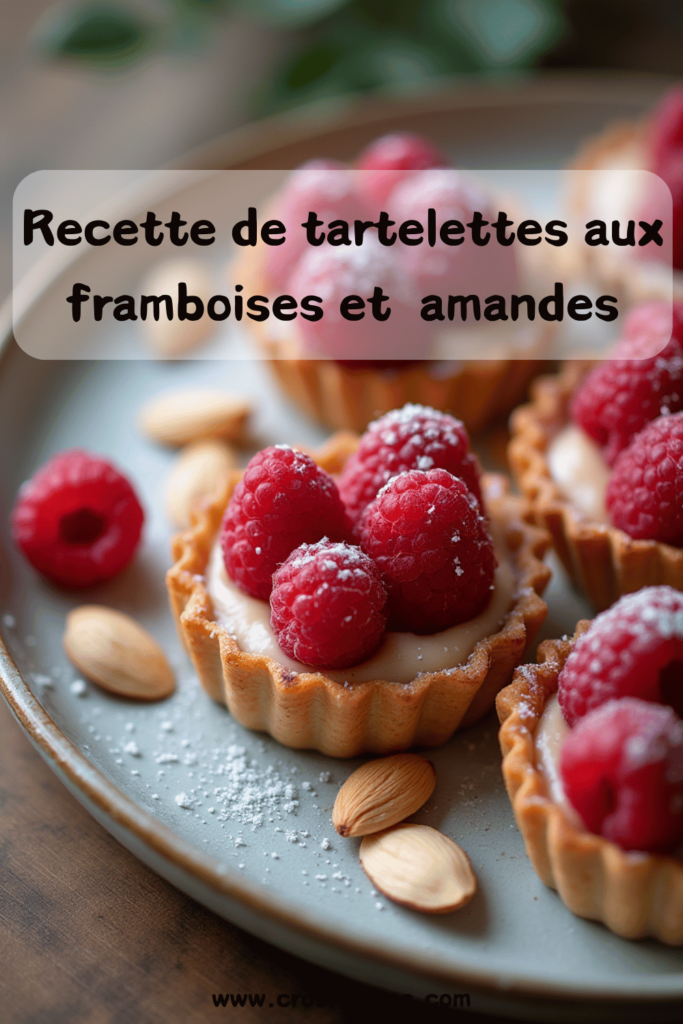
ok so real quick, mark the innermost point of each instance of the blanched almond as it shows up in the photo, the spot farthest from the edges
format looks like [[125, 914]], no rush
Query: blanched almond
[[117, 653], [381, 793], [199, 473], [179, 417], [419, 867]]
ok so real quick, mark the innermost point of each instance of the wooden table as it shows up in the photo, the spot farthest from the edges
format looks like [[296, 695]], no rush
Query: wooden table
[[89, 934]]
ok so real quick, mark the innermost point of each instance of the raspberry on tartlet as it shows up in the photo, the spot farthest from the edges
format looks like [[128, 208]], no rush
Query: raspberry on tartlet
[[645, 492], [358, 323], [426, 532], [328, 605], [622, 771], [622, 395], [634, 649], [324, 186], [414, 437], [283, 500], [388, 160], [77, 520]]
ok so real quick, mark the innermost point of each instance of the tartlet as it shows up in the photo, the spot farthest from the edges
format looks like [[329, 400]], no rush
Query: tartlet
[[635, 894], [348, 398], [309, 709], [622, 145], [603, 561]]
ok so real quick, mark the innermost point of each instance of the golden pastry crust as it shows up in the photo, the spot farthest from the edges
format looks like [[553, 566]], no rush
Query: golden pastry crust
[[603, 562], [310, 710], [477, 392], [634, 894]]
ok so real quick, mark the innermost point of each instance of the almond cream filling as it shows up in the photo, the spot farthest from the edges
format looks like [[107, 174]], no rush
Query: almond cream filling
[[400, 657], [550, 735], [578, 468]]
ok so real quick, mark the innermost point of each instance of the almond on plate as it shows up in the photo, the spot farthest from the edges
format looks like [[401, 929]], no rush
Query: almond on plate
[[116, 653], [170, 338], [199, 473], [419, 867], [382, 793], [178, 417]]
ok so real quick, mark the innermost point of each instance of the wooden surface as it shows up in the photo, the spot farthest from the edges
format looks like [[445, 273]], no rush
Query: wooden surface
[[89, 934]]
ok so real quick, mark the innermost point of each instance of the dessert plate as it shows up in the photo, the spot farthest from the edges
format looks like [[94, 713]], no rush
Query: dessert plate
[[232, 818]]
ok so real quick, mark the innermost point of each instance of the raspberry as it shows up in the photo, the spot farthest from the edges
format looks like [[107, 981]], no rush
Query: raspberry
[[620, 396], [328, 605], [414, 437], [622, 769], [77, 520], [667, 129], [645, 493], [672, 173], [334, 272], [384, 160], [283, 500], [478, 270], [426, 533], [326, 186], [634, 649]]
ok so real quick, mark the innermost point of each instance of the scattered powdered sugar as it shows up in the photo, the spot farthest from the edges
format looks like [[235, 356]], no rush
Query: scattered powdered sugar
[[249, 795], [78, 688], [132, 748], [184, 800]]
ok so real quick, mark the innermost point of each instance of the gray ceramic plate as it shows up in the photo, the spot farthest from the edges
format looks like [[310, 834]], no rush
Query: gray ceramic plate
[[231, 817]]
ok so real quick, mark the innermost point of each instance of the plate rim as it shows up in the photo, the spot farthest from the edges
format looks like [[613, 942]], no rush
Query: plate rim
[[65, 758]]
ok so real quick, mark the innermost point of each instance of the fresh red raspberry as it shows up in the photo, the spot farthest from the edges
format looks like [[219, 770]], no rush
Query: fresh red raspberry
[[328, 605], [334, 273], [672, 173], [426, 533], [325, 186], [645, 492], [634, 649], [620, 396], [77, 520], [667, 129], [384, 162], [622, 770], [283, 500], [414, 437], [478, 270]]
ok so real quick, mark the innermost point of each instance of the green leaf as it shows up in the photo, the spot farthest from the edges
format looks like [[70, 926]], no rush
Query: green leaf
[[395, 62], [290, 13], [100, 33], [503, 33]]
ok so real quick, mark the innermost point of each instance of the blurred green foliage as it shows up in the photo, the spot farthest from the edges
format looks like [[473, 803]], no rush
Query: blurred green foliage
[[337, 46]]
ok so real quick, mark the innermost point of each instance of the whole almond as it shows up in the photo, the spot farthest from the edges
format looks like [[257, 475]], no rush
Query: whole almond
[[419, 867], [179, 417], [199, 473], [382, 792], [117, 653], [171, 338]]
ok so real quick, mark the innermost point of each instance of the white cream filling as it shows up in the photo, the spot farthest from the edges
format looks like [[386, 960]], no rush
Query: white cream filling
[[578, 468], [550, 734], [400, 657]]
